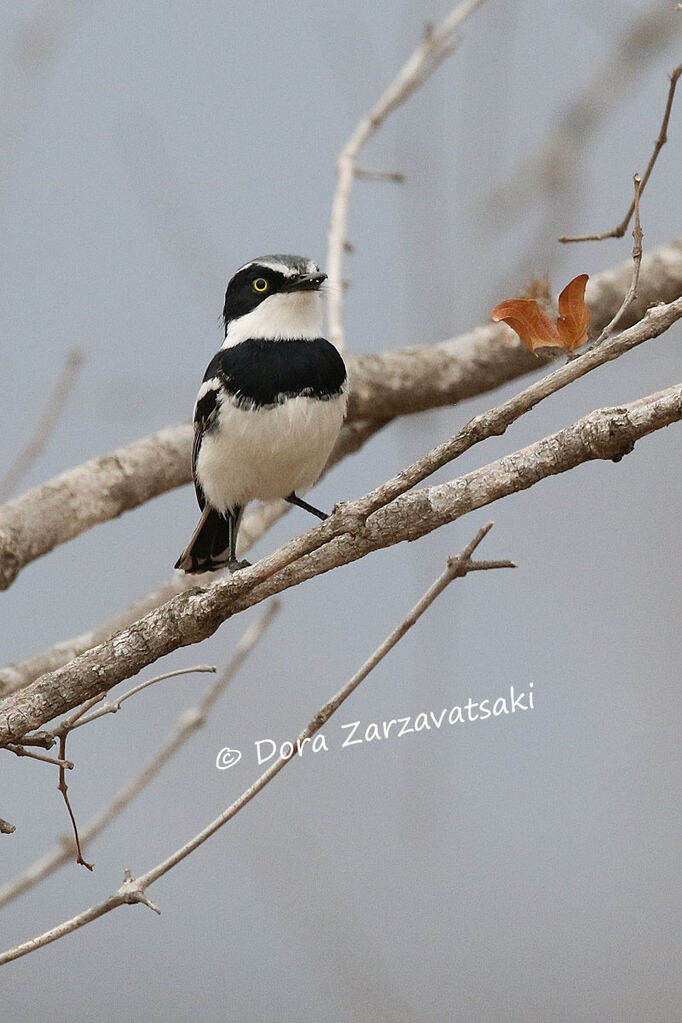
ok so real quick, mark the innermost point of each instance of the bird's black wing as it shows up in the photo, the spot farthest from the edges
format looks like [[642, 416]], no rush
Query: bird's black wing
[[205, 415]]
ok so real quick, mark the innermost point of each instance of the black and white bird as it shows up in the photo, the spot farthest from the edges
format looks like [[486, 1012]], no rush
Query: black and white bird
[[270, 407]]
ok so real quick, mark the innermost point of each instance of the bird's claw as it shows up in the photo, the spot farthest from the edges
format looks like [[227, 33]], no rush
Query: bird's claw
[[235, 565]]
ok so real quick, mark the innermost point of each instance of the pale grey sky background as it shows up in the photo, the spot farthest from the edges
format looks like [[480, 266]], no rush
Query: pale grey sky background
[[521, 869]]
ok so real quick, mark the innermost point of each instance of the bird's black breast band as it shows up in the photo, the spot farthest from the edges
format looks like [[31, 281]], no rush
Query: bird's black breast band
[[262, 373]]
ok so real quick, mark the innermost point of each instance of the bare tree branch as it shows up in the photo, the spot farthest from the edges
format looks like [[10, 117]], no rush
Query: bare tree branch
[[16, 676], [64, 789], [383, 386], [487, 424], [346, 536], [42, 739], [436, 45], [133, 890], [45, 426], [101, 489], [188, 723], [620, 230]]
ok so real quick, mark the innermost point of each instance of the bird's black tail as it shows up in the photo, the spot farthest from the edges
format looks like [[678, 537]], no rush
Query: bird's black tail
[[213, 543]]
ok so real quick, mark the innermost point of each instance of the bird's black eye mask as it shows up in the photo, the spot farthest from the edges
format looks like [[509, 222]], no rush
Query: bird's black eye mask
[[249, 288]]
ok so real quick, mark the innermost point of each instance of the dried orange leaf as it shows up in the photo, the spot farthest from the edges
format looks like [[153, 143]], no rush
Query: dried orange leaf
[[533, 326], [574, 316]]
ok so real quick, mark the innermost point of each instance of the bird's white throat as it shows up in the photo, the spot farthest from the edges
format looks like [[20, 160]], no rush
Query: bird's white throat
[[286, 316]]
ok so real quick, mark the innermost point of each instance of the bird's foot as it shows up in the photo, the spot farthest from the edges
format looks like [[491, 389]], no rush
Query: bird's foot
[[235, 565]]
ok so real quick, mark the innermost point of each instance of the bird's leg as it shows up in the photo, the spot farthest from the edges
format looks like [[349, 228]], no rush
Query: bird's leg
[[293, 499], [232, 526]]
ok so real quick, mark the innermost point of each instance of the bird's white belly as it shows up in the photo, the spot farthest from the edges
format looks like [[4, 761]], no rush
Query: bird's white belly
[[267, 453]]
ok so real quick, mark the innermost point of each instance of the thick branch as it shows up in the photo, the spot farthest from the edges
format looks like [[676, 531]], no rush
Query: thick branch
[[383, 386], [96, 491], [343, 538]]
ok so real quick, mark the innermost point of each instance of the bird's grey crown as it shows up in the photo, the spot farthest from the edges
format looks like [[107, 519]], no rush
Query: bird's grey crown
[[289, 265]]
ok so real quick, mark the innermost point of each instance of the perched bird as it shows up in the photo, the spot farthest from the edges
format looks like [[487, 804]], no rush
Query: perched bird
[[270, 407]]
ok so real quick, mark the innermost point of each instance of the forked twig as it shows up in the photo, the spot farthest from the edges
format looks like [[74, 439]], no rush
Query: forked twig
[[437, 44], [190, 720], [620, 230], [80, 717]]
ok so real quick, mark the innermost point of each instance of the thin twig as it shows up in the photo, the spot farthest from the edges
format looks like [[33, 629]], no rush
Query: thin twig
[[485, 566], [112, 707], [63, 788], [45, 425], [436, 44], [19, 751], [637, 237], [456, 568], [188, 723], [134, 890], [620, 230]]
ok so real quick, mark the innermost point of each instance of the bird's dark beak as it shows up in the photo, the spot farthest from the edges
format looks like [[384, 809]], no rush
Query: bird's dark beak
[[305, 282]]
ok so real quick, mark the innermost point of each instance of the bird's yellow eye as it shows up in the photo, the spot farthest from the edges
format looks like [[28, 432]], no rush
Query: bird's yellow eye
[[260, 285]]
